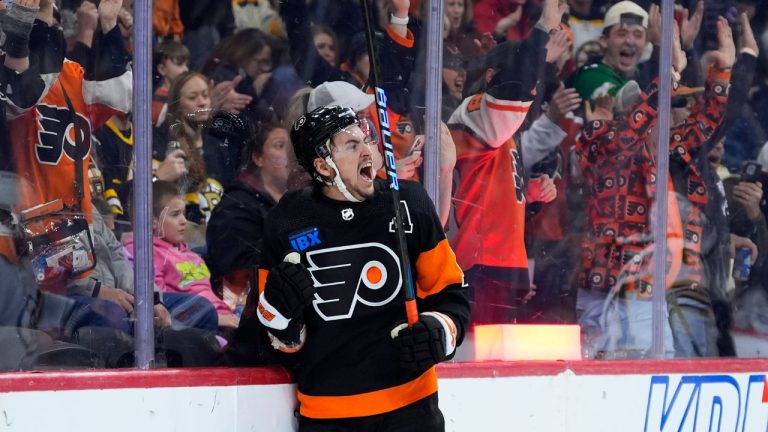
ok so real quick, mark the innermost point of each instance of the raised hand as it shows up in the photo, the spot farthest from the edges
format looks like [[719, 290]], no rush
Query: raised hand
[[108, 12], [749, 196], [679, 60], [400, 7], [486, 42], [725, 56], [447, 149], [654, 25], [557, 45], [509, 21], [690, 27], [552, 13], [87, 17], [603, 109], [747, 38], [563, 101], [224, 96], [17, 25]]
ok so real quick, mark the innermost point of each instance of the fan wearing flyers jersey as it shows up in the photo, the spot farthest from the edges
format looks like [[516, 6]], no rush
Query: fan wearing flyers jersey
[[489, 201], [50, 135]]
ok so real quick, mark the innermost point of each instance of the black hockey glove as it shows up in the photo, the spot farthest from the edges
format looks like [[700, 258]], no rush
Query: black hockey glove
[[422, 345], [17, 25], [289, 289]]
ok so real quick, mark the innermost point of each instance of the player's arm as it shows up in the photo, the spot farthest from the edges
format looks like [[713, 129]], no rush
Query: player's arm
[[286, 289], [442, 296]]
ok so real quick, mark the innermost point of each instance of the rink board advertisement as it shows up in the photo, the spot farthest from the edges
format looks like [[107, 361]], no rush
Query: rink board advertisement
[[498, 396]]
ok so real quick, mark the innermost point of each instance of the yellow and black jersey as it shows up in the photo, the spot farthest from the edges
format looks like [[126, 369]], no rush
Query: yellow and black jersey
[[349, 364]]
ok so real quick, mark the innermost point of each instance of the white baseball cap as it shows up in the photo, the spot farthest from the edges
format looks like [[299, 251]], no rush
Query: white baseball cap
[[626, 12], [339, 93]]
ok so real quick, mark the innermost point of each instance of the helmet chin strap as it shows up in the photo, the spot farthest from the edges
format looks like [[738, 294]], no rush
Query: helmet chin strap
[[339, 183]]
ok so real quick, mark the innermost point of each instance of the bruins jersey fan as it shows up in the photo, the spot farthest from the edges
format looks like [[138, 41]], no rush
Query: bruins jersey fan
[[336, 300]]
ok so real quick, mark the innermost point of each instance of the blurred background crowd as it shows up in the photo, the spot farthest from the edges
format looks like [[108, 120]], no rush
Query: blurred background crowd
[[546, 167]]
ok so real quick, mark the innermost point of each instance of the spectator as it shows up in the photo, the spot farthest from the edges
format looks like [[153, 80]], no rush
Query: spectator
[[325, 42], [617, 161], [395, 50], [166, 20], [623, 40], [258, 14], [237, 225], [247, 54], [53, 160], [169, 60], [454, 79], [506, 20], [113, 145], [489, 240], [210, 164], [205, 24], [177, 269], [585, 18]]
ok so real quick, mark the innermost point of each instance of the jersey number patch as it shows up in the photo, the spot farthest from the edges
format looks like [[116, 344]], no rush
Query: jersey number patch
[[344, 276]]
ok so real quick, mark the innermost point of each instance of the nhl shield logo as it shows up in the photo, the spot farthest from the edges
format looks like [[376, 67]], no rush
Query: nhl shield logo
[[347, 214]]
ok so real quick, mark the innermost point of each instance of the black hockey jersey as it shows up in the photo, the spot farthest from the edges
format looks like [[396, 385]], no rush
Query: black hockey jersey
[[349, 364]]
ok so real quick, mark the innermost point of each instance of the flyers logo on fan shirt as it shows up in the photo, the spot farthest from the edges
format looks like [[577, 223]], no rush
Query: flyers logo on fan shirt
[[346, 276], [57, 135]]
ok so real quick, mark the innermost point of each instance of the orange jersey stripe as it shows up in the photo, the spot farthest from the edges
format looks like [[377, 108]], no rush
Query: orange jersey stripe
[[433, 273], [262, 279], [371, 403], [512, 108]]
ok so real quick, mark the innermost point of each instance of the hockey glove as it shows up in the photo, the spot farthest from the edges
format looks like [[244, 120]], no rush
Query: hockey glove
[[17, 25], [289, 289], [431, 340]]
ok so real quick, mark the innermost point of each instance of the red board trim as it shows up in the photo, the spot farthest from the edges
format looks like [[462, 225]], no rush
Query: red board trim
[[207, 377], [129, 378]]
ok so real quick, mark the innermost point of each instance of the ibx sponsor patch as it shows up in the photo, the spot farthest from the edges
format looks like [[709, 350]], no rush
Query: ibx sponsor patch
[[305, 239]]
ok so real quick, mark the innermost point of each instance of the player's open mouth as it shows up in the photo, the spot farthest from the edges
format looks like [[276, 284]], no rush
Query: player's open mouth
[[366, 172]]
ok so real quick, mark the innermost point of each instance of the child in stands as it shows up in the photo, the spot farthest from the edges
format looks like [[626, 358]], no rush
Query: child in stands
[[177, 268]]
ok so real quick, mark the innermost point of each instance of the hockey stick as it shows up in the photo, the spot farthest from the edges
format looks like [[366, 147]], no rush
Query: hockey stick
[[411, 312]]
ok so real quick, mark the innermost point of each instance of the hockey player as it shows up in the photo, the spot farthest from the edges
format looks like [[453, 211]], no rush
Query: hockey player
[[361, 367]]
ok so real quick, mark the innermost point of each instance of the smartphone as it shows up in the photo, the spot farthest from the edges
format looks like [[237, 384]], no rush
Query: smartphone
[[417, 147], [751, 172]]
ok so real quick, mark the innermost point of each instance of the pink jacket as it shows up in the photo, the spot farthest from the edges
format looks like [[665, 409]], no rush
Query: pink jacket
[[178, 269]]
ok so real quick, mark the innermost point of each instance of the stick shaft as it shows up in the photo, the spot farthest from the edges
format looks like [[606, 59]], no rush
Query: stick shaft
[[412, 313]]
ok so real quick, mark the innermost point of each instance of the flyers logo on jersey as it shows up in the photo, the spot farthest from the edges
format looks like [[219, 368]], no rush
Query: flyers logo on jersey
[[57, 135], [346, 276]]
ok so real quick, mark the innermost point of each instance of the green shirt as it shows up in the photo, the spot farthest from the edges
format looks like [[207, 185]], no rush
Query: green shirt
[[597, 79]]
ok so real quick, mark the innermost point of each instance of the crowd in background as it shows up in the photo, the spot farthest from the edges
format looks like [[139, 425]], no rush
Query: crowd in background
[[547, 165]]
